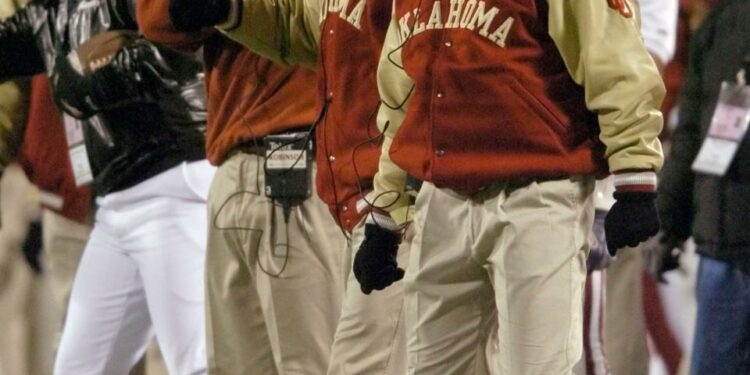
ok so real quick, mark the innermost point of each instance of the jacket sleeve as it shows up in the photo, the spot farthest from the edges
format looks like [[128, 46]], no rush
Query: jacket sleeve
[[284, 31], [395, 88], [155, 24], [603, 51], [677, 180], [18, 42]]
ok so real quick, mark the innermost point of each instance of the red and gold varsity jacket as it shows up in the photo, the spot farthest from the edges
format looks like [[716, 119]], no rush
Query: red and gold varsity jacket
[[481, 91], [346, 37]]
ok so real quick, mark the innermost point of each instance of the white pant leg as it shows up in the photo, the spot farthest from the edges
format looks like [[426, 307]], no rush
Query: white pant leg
[[145, 258], [170, 249], [108, 327]]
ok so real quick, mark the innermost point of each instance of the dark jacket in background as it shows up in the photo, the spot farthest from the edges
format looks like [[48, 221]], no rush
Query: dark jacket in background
[[126, 144], [714, 210]]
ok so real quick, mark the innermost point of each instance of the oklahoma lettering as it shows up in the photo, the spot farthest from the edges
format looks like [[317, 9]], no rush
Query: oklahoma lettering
[[464, 14], [354, 17]]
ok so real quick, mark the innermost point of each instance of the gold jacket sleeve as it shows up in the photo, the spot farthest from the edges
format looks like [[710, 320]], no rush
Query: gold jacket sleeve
[[13, 103], [395, 89], [284, 31], [13, 110], [603, 51]]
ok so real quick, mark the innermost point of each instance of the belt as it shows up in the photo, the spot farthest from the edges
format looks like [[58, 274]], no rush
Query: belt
[[512, 184], [520, 182], [252, 147], [258, 146]]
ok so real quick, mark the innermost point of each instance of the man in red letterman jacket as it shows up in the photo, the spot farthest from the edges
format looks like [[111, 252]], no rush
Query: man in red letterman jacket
[[508, 110], [342, 40], [257, 323]]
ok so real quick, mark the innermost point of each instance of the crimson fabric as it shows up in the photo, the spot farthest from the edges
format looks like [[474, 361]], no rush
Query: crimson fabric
[[674, 72], [249, 97], [348, 137], [664, 340], [484, 110], [44, 154]]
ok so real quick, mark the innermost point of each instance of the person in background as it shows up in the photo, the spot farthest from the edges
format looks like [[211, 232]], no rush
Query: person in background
[[615, 322], [135, 129], [26, 310], [707, 198], [21, 315], [18, 206], [672, 296]]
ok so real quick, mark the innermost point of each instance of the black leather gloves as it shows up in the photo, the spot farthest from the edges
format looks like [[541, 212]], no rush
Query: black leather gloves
[[631, 220], [375, 265], [193, 15]]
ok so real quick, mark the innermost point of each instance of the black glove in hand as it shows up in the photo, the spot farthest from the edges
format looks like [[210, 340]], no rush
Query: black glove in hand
[[631, 220], [194, 15], [375, 265]]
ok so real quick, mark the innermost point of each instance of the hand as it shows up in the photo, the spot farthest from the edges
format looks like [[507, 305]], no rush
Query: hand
[[375, 265], [193, 15], [631, 220], [662, 254]]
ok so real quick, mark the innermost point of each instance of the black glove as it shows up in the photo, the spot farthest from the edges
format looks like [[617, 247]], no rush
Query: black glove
[[193, 15], [631, 220], [375, 265], [662, 254]]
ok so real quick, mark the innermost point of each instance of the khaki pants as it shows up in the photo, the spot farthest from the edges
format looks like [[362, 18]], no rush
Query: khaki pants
[[370, 337], [259, 324], [625, 341], [520, 249]]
